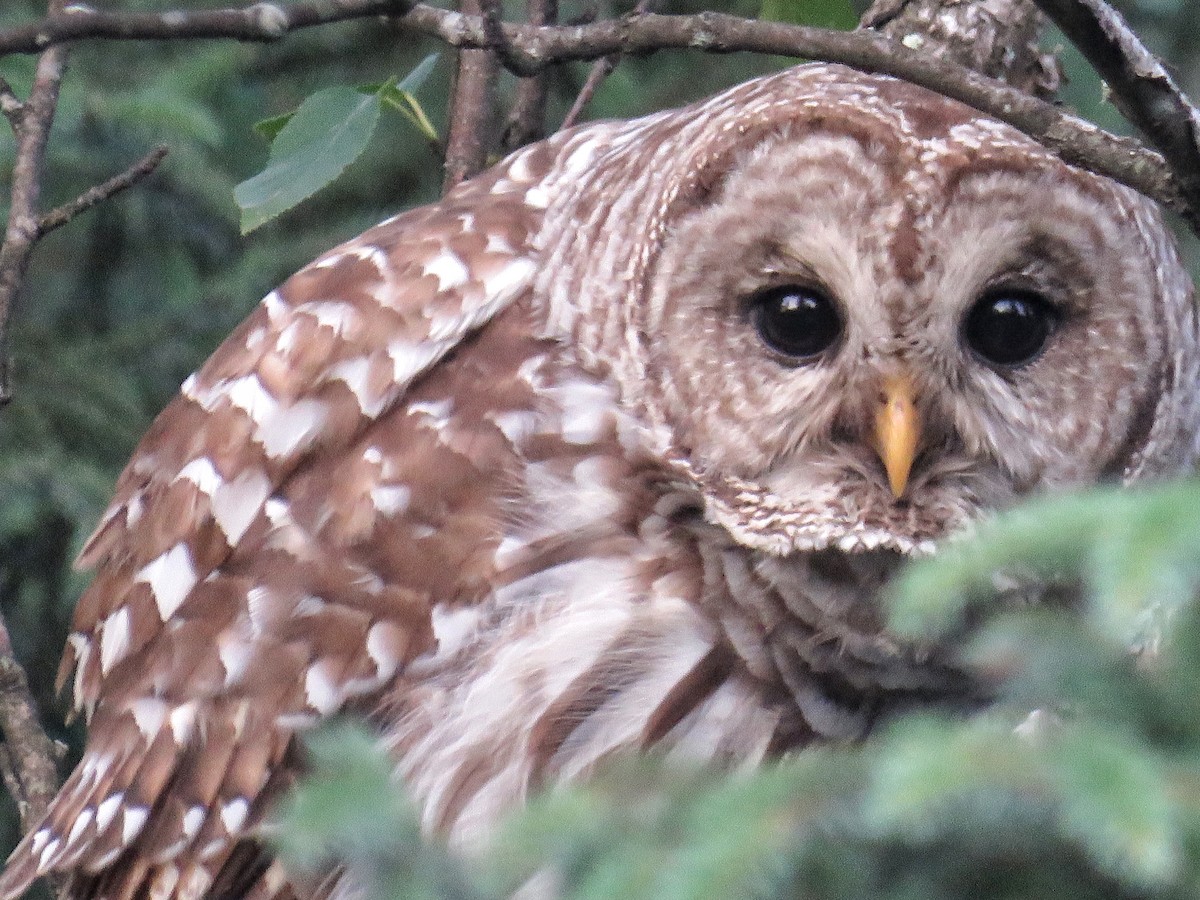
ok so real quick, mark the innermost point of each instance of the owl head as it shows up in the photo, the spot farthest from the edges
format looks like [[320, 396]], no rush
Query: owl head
[[862, 315]]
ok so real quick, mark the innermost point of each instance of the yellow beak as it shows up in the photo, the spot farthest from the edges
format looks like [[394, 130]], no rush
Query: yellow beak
[[897, 430]]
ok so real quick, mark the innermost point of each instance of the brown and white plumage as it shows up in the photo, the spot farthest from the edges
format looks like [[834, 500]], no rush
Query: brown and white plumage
[[515, 476]]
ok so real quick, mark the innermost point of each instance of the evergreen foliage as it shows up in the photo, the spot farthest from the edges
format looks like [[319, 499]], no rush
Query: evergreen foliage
[[1081, 780]]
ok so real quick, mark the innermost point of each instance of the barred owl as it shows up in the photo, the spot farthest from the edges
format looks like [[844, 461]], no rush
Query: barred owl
[[612, 448]]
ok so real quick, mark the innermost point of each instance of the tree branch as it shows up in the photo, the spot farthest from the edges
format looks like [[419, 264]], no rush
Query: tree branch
[[61, 215], [527, 119], [31, 754], [260, 22], [472, 98], [1142, 89]]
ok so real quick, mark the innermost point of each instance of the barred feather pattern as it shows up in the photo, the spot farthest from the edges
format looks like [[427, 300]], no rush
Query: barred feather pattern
[[514, 477]]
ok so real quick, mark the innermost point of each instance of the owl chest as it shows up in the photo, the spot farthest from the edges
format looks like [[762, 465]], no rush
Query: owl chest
[[581, 605]]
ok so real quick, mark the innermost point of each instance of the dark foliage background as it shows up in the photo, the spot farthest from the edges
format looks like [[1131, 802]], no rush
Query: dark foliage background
[[123, 303]]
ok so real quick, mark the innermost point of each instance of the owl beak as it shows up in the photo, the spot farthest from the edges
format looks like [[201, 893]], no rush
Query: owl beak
[[897, 430]]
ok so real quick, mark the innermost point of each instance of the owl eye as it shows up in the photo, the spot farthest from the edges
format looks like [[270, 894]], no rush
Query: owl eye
[[1009, 327], [795, 321]]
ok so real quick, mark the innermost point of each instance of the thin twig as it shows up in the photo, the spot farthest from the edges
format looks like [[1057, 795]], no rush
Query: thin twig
[[260, 22], [1142, 88], [472, 99], [600, 70], [61, 215], [527, 119]]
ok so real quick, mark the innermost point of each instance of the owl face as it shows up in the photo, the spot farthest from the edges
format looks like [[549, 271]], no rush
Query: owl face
[[870, 336]]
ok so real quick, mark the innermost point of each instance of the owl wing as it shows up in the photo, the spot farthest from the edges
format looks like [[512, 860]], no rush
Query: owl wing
[[188, 654]]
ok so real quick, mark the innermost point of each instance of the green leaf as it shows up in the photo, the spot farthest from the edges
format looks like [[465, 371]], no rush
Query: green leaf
[[398, 94], [419, 74], [401, 97], [410, 107], [270, 128], [324, 136]]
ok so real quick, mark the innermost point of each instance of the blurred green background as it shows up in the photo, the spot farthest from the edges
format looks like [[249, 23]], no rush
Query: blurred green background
[[120, 305]]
